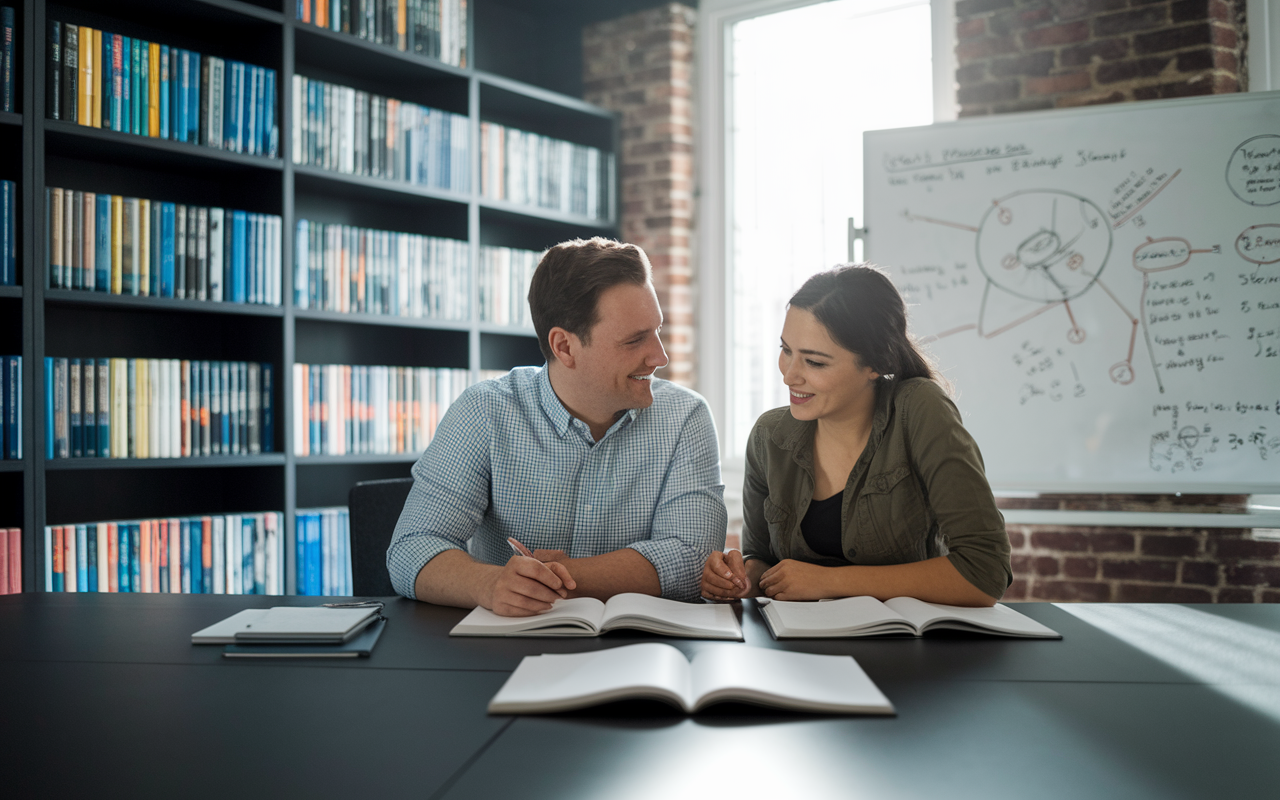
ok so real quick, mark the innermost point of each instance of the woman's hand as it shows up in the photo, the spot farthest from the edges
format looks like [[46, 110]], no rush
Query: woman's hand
[[724, 577], [795, 580]]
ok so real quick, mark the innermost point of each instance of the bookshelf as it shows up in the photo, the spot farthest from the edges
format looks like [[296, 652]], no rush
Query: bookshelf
[[37, 321]]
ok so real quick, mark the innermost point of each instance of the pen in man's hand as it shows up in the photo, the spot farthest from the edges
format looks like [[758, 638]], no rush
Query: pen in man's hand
[[520, 549]]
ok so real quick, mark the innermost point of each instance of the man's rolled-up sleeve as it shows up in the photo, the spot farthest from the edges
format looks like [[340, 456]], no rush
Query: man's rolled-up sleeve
[[450, 492], [690, 519]]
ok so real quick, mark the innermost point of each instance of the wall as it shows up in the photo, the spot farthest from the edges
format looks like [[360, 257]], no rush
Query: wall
[[641, 66]]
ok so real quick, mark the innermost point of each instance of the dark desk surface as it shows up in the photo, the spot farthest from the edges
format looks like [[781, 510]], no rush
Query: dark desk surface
[[106, 690]]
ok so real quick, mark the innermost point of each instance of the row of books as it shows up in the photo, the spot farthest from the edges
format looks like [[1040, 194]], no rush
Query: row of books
[[345, 130], [536, 170], [9, 202], [432, 28], [213, 554], [134, 246], [340, 409], [323, 554], [105, 80], [10, 560], [359, 270], [156, 408], [7, 24], [10, 407], [504, 279]]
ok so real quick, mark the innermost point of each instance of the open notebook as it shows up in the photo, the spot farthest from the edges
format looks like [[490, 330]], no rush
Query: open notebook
[[718, 673], [586, 616], [867, 616]]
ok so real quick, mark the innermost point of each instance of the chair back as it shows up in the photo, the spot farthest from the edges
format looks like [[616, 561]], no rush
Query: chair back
[[375, 508]]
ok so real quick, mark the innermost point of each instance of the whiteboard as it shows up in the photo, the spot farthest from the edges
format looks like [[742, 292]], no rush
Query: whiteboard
[[1101, 286]]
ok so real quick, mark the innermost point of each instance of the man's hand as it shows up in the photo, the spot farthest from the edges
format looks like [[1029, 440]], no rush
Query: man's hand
[[527, 586], [724, 577], [551, 555], [796, 580]]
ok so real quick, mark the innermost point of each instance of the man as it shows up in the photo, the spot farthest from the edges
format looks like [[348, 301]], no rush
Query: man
[[610, 477]]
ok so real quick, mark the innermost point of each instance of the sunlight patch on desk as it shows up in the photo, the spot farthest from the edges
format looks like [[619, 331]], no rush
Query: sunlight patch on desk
[[1238, 659]]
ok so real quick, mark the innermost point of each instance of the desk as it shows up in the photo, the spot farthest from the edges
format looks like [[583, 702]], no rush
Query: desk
[[103, 694]]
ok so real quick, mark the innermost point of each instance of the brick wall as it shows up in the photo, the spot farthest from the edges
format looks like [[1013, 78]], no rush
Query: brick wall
[[642, 66], [1020, 55]]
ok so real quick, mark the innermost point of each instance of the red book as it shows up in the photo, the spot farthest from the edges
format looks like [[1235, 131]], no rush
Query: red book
[[113, 557], [4, 561], [15, 560], [144, 555]]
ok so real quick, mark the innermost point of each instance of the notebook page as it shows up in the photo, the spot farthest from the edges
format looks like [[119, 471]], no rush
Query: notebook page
[[803, 681], [578, 680], [659, 615], [576, 615], [847, 614], [998, 618]]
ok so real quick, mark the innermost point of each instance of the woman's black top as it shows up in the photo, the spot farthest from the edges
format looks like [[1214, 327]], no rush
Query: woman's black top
[[821, 526]]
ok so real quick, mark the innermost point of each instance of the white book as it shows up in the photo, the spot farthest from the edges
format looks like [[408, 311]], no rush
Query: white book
[[587, 616], [216, 267], [175, 408], [219, 552], [104, 565], [716, 674], [297, 122], [70, 568], [275, 583], [867, 616], [175, 556], [288, 624]]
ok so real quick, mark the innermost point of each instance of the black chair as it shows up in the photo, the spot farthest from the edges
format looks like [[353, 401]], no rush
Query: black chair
[[375, 508]]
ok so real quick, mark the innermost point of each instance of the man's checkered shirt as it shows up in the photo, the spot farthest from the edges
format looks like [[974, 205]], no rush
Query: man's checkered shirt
[[509, 460]]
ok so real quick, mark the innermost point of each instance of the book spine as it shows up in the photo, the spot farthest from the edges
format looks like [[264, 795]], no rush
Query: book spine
[[202, 253], [206, 555], [142, 247], [165, 93]]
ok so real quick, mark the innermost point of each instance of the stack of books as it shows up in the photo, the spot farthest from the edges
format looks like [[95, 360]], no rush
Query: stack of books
[[156, 408], [9, 203], [10, 407], [323, 554], [345, 130], [340, 409], [105, 80], [10, 560], [6, 58], [504, 279], [432, 28], [214, 554], [535, 170], [128, 245], [364, 271]]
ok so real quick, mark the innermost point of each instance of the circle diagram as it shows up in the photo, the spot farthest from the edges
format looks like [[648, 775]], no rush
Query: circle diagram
[[1043, 245], [1253, 171]]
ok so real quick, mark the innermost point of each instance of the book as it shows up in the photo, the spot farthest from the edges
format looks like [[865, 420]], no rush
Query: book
[[8, 233], [587, 616], [867, 616], [6, 58], [289, 625], [716, 674], [359, 646]]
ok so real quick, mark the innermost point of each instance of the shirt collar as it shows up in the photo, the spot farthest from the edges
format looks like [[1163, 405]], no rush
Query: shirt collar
[[560, 418]]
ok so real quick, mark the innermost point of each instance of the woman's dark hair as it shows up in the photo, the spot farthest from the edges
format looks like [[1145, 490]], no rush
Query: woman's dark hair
[[862, 310], [568, 281]]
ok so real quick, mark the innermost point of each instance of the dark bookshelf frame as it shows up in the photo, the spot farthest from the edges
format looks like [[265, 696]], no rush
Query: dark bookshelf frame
[[291, 42]]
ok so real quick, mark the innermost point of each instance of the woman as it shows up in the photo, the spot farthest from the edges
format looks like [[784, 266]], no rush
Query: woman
[[868, 484]]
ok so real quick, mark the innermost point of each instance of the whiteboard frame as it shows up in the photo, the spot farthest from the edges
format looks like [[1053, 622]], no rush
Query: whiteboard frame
[[1129, 487]]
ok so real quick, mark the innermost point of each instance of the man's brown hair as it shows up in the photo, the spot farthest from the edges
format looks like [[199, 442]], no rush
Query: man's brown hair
[[566, 286]]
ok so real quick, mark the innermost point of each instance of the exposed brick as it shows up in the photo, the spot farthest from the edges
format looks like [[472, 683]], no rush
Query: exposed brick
[[1034, 15], [1017, 539], [1071, 591], [1055, 84], [1226, 60], [988, 92], [1225, 84], [970, 74], [1074, 100], [1017, 590], [1156, 545], [1021, 564], [1245, 548], [1203, 573], [1111, 542], [1271, 597], [1195, 60], [1036, 64], [1239, 596], [1070, 542], [1147, 593], [1172, 38], [970, 28], [1225, 37], [1046, 566], [1089, 52], [1252, 575], [968, 8], [1080, 567], [1189, 10], [1130, 69], [1073, 9], [1188, 88], [1157, 571], [1057, 34], [1134, 19], [987, 47]]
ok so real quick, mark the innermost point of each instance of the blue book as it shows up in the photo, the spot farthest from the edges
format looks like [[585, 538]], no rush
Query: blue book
[[88, 408], [183, 83], [261, 114], [184, 553], [315, 557], [82, 559], [144, 88], [75, 428], [300, 553], [135, 557], [238, 244], [196, 540], [252, 102], [102, 244], [230, 102], [269, 117], [166, 249], [193, 100], [175, 92], [8, 206], [48, 408], [268, 411], [104, 408], [123, 551], [91, 559], [246, 554], [135, 86], [164, 93], [126, 84], [102, 82]]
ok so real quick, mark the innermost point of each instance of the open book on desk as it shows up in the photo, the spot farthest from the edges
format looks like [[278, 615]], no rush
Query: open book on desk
[[718, 673], [867, 616], [586, 616]]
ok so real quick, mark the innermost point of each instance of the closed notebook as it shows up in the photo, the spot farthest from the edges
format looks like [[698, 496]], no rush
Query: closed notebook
[[359, 646], [867, 616], [586, 616], [288, 625], [717, 673]]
